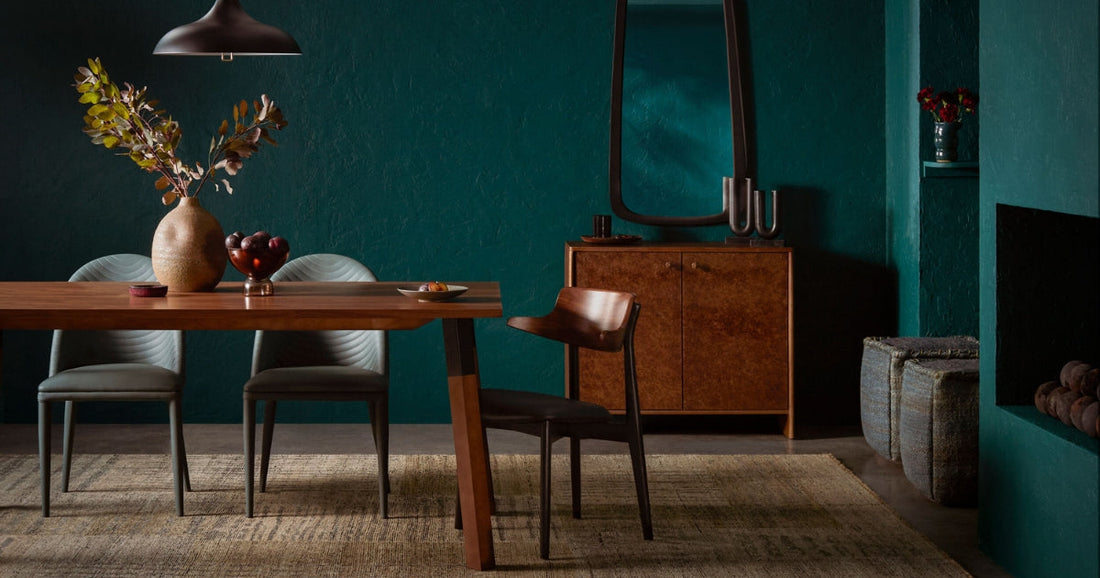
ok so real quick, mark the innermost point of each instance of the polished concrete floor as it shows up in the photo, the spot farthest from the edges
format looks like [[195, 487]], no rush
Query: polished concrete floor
[[953, 529]]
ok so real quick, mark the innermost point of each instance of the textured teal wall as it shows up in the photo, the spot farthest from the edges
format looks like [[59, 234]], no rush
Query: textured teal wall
[[1040, 63], [932, 235], [457, 140]]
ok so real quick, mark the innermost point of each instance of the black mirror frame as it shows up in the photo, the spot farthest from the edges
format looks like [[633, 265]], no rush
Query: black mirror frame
[[737, 120]]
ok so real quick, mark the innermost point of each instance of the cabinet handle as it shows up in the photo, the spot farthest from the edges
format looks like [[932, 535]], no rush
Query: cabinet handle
[[694, 265]]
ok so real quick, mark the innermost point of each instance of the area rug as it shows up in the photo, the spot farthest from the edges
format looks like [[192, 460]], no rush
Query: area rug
[[744, 515]]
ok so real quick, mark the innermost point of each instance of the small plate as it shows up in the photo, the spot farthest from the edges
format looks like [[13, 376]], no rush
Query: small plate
[[451, 292], [613, 240], [148, 290]]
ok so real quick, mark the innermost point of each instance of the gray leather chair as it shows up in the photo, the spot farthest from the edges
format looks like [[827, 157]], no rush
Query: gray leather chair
[[136, 365], [318, 366]]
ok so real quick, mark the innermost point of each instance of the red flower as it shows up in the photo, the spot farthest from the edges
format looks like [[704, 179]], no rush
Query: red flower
[[947, 106], [949, 113]]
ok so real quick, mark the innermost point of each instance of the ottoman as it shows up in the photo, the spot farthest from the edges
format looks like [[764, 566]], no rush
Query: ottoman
[[939, 429], [880, 381]]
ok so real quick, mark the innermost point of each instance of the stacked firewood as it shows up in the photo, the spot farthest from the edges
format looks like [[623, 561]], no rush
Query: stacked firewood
[[1073, 398]]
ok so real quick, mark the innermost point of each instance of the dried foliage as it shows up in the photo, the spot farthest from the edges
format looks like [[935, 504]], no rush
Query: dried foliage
[[127, 119]]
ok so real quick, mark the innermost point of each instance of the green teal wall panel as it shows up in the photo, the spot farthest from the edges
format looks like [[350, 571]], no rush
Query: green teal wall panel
[[457, 140], [1039, 489]]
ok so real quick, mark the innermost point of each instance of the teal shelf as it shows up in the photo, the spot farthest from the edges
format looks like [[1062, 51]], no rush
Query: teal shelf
[[933, 169]]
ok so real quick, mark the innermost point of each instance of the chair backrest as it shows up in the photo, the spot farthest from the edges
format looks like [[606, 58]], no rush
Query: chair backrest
[[78, 348], [595, 319], [592, 318], [366, 349]]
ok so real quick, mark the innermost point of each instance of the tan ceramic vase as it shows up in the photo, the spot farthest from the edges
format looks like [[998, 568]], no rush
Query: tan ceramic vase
[[189, 248]]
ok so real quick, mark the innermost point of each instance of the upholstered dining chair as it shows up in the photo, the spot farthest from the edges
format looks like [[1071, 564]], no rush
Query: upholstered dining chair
[[594, 319], [130, 365], [318, 366]]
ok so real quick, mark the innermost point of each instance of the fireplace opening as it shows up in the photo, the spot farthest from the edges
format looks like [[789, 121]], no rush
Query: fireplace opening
[[1048, 298]]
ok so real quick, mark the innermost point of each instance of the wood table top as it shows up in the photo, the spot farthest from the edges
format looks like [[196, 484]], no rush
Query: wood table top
[[294, 306]]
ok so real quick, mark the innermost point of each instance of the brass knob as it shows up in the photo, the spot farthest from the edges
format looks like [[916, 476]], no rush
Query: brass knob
[[694, 265]]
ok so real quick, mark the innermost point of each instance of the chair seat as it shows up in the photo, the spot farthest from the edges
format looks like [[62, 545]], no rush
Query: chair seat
[[112, 379], [508, 405], [320, 379]]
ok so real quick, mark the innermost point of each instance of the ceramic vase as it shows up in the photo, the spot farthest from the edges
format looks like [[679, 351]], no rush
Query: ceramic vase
[[946, 140], [189, 248]]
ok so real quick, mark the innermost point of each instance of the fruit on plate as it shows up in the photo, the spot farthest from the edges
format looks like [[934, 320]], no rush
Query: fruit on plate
[[433, 286]]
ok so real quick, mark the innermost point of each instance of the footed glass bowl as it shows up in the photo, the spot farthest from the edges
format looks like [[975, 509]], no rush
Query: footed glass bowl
[[258, 265]]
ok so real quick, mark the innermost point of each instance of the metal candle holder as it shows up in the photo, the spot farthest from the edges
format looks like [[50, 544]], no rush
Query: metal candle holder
[[747, 213]]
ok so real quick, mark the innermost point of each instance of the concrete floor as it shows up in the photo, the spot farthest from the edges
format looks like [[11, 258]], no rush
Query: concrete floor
[[954, 530]]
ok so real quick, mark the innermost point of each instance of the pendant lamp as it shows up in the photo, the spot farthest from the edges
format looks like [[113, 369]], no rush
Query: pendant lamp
[[226, 30]]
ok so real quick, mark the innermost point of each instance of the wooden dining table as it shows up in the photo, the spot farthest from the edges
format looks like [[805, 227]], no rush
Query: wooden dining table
[[298, 306]]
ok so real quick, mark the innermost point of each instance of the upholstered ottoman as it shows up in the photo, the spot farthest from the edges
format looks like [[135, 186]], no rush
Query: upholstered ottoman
[[880, 381], [939, 429]]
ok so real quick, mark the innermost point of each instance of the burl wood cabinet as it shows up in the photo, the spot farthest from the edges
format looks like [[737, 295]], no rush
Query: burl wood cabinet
[[714, 334]]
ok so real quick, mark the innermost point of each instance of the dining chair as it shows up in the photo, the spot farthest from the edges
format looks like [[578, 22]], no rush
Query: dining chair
[[318, 366], [116, 365], [581, 318]]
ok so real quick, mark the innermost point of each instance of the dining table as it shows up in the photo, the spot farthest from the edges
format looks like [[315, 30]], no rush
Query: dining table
[[298, 306]]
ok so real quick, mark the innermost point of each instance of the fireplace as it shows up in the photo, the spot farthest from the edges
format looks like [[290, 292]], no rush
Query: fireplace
[[1048, 300]]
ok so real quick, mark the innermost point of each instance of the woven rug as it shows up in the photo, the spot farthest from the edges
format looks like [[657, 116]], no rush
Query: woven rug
[[745, 515]]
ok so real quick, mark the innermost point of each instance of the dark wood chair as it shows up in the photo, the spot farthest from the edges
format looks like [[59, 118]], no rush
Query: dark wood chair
[[594, 319]]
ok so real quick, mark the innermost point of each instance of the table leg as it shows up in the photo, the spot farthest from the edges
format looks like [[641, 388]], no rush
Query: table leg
[[463, 383]]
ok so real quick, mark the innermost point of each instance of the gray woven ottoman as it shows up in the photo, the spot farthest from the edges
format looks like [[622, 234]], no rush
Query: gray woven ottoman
[[939, 429], [880, 381]]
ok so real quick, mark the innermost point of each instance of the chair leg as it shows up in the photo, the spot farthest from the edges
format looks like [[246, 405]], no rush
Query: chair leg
[[380, 426], [641, 483], [575, 474], [265, 449], [44, 454], [175, 433], [544, 494], [183, 460], [67, 443], [249, 422], [489, 473]]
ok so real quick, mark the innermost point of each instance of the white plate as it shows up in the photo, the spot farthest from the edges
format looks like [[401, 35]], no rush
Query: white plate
[[451, 292]]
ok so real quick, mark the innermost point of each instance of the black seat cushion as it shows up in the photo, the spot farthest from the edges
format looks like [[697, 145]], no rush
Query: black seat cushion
[[509, 405], [318, 378]]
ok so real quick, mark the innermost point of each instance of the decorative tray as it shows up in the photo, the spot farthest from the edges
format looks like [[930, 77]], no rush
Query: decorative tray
[[613, 240]]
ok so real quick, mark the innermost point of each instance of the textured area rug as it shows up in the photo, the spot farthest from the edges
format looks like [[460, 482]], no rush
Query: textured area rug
[[746, 515]]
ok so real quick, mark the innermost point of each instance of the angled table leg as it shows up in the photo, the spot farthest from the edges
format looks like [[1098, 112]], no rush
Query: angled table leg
[[463, 383]]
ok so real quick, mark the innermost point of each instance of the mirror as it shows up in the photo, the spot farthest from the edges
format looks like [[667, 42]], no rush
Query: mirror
[[675, 126]]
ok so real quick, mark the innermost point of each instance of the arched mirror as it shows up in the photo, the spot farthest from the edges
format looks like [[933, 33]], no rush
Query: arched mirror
[[675, 61]]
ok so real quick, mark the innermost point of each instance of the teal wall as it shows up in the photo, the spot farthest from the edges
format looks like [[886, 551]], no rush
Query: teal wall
[[1040, 149], [932, 221], [456, 140]]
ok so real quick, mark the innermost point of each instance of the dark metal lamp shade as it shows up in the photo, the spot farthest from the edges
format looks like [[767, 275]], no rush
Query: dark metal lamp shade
[[225, 31]]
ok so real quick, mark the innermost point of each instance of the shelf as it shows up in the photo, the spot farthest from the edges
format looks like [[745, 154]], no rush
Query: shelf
[[933, 169]]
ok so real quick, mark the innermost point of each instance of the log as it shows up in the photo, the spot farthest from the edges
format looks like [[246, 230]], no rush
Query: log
[[1063, 403], [1076, 375], [1090, 419], [1063, 377], [1090, 383], [1077, 410], [1041, 396], [1052, 411]]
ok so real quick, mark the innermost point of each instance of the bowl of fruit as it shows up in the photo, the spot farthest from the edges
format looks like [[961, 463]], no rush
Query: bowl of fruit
[[257, 256], [432, 291]]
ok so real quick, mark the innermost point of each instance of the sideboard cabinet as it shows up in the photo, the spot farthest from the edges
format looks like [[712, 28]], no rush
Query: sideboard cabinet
[[714, 334]]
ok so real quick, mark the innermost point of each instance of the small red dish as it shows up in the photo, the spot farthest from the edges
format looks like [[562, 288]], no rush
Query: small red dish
[[148, 290]]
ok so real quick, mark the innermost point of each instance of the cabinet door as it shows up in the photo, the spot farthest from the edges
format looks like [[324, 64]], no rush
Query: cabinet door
[[654, 276], [736, 351]]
